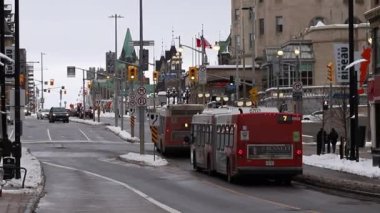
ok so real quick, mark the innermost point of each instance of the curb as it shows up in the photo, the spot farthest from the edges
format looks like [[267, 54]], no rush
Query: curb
[[349, 186]]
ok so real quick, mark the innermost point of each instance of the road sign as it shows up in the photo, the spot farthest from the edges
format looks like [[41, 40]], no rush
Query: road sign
[[145, 43], [297, 86], [141, 101], [9, 66], [141, 91]]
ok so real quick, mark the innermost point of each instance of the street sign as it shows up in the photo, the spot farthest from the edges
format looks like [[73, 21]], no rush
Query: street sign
[[297, 86], [145, 43], [141, 101], [141, 91], [202, 75], [9, 66]]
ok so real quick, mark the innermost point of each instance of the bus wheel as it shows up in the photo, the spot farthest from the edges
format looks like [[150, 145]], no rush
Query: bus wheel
[[230, 179]]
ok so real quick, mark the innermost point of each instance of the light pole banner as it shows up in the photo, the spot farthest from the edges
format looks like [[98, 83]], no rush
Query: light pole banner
[[342, 59]]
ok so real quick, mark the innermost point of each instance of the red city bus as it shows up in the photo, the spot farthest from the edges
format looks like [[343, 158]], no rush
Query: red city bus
[[236, 142], [174, 125]]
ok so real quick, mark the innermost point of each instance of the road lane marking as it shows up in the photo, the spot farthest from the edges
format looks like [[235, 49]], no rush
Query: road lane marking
[[307, 136], [48, 133], [138, 192], [84, 135]]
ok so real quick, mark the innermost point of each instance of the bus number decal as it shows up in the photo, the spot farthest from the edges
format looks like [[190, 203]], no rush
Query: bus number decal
[[285, 119]]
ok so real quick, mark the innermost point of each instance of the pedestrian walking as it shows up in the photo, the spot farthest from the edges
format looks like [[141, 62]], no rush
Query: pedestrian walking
[[321, 138], [333, 138]]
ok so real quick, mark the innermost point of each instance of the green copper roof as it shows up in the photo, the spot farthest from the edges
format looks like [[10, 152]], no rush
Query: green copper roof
[[128, 52]]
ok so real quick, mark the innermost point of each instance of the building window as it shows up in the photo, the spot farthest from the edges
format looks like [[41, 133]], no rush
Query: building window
[[279, 24], [237, 14], [238, 42], [261, 26], [251, 40]]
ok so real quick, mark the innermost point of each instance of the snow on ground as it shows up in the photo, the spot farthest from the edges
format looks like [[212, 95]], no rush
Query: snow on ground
[[149, 160]]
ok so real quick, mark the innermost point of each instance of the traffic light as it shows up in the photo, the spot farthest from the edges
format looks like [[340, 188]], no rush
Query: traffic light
[[330, 71], [155, 76], [132, 73], [22, 80], [193, 73], [51, 82], [325, 105], [231, 80]]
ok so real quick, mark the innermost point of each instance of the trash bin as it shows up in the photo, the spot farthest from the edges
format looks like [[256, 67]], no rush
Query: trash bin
[[361, 137], [8, 165]]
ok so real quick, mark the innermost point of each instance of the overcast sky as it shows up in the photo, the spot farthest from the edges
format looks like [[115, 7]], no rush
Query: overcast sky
[[80, 32]]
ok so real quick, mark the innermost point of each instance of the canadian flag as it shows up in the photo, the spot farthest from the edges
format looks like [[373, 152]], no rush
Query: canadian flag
[[202, 42]]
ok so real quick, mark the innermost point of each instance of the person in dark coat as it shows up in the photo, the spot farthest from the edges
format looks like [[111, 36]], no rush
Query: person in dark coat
[[333, 138], [321, 138]]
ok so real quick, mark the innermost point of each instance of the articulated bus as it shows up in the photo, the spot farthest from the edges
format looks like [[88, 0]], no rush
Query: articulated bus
[[174, 125], [257, 142]]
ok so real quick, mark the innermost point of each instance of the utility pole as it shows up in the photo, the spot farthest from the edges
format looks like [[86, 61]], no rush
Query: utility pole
[[16, 146], [42, 81], [116, 73], [141, 78], [4, 130], [353, 86]]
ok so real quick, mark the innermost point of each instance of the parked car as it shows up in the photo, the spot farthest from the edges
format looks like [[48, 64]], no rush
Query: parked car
[[88, 113], [43, 113], [58, 114], [314, 116]]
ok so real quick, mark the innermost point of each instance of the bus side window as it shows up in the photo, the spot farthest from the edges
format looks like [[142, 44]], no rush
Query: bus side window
[[218, 137], [208, 134], [202, 136], [223, 137], [231, 135]]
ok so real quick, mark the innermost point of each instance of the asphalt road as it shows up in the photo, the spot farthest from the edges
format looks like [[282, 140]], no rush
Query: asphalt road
[[83, 174]]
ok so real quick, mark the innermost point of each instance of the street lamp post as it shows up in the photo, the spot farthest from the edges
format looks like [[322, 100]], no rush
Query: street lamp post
[[116, 83], [42, 80], [280, 53], [297, 52]]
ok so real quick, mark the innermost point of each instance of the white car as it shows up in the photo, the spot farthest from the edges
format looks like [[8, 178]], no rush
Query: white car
[[315, 116], [43, 113]]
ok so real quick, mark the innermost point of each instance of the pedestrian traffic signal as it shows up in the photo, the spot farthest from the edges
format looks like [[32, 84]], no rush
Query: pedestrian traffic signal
[[132, 73], [155, 76], [325, 105], [330, 71], [193, 73]]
